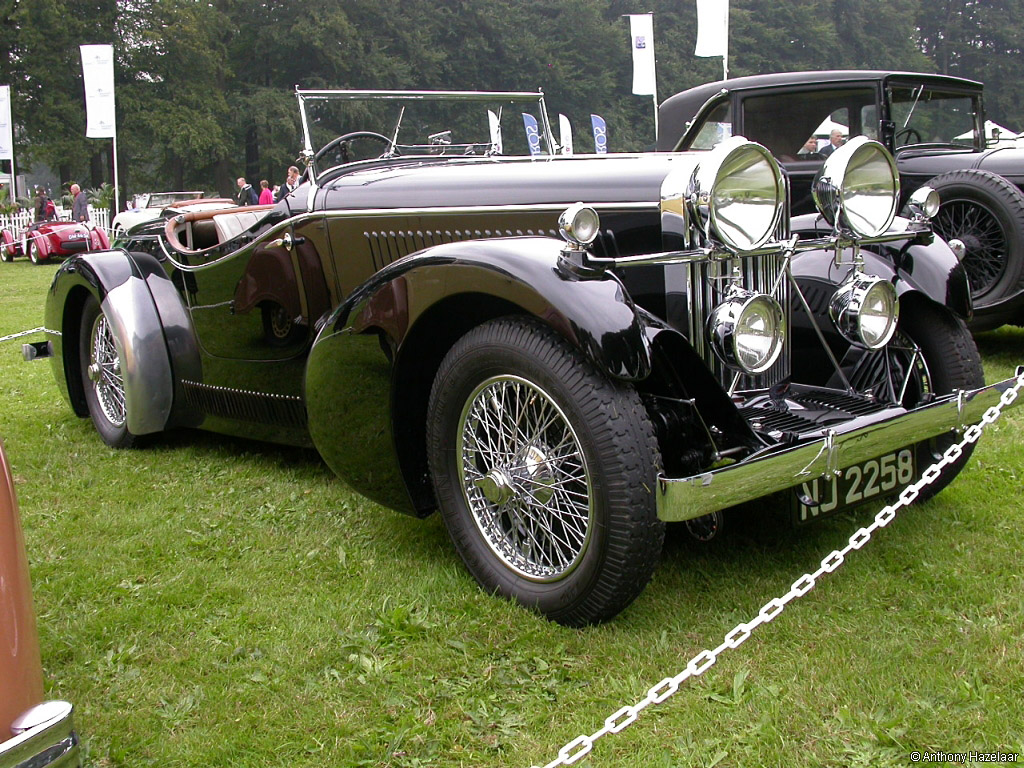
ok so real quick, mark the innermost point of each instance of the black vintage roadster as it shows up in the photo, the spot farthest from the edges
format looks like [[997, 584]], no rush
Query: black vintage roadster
[[453, 329]]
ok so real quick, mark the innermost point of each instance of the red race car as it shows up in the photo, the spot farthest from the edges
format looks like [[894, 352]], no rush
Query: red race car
[[47, 239]]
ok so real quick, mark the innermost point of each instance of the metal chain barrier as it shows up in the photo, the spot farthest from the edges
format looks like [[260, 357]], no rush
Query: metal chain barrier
[[704, 660], [18, 335]]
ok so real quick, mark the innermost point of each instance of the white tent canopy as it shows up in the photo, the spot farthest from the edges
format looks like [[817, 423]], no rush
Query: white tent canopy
[[827, 126], [993, 130]]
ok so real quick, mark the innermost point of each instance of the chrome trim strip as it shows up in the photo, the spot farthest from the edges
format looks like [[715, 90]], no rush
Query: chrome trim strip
[[861, 439], [53, 744]]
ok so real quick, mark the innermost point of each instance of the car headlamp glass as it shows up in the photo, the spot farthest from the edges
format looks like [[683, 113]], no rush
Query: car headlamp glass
[[738, 194], [579, 224], [858, 187], [865, 310], [747, 331]]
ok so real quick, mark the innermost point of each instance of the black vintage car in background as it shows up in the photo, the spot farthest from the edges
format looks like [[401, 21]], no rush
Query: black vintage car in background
[[935, 126], [561, 354]]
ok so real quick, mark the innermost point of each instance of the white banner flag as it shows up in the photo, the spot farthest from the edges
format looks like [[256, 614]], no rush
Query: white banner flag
[[6, 133], [565, 134], [712, 28], [495, 127], [98, 73], [641, 33]]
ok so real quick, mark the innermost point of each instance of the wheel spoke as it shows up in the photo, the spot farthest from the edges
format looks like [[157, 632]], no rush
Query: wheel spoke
[[525, 479]]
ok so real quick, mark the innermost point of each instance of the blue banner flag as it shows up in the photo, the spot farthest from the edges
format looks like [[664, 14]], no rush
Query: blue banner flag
[[600, 134], [532, 133]]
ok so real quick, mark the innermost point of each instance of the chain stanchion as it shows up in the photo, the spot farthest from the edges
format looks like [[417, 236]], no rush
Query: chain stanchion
[[734, 638]]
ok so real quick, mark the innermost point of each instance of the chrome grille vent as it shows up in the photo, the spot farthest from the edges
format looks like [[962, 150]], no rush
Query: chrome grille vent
[[707, 283]]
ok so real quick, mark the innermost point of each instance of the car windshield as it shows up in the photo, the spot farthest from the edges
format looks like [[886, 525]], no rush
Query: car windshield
[[929, 116], [343, 127], [163, 199]]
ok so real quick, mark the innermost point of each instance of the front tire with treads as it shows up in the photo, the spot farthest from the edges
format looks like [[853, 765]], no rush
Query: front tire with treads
[[545, 472]]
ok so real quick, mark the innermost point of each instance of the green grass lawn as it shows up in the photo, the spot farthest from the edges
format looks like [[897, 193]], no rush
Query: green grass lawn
[[207, 601]]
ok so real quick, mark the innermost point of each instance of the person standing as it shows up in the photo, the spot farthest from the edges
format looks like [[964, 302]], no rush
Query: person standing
[[79, 205], [835, 141], [40, 205], [246, 194], [289, 186], [266, 196]]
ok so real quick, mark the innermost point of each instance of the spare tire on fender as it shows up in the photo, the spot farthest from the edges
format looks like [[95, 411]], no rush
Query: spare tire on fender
[[985, 212]]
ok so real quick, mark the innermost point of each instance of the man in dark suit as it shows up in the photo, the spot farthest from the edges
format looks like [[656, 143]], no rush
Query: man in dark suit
[[289, 186], [835, 140], [246, 194]]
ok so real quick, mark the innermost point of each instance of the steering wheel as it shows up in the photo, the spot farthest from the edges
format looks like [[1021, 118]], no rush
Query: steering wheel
[[912, 134], [389, 146]]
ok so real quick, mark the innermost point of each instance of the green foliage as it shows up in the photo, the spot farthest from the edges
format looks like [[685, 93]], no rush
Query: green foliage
[[205, 90], [6, 204], [101, 196]]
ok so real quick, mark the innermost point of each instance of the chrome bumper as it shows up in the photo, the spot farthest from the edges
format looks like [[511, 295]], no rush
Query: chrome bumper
[[861, 439], [50, 744]]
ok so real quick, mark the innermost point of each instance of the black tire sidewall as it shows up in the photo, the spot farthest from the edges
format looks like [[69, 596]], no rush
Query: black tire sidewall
[[489, 352], [953, 363]]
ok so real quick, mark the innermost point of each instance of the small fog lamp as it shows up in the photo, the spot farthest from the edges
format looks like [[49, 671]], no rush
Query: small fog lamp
[[865, 310], [747, 330]]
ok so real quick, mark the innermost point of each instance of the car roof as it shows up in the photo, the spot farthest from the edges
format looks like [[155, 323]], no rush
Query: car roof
[[679, 109]]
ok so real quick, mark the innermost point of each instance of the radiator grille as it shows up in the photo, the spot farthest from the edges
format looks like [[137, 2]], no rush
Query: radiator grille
[[707, 283]]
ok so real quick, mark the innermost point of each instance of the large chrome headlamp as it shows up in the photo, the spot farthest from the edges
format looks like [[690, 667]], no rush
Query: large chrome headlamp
[[738, 194], [865, 310], [747, 330], [858, 188]]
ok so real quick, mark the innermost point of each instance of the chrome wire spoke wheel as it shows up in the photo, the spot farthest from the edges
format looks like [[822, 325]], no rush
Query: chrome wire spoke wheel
[[525, 478], [978, 228], [897, 373], [105, 372]]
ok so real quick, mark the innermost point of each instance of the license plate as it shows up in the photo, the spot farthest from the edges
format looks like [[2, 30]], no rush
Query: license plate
[[854, 485], [77, 236]]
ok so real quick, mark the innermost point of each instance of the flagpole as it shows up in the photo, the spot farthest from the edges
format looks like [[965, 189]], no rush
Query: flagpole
[[725, 56], [117, 202]]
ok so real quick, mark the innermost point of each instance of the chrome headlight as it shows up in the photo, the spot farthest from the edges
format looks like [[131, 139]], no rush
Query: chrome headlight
[[747, 330], [865, 310], [858, 188], [738, 194], [579, 224]]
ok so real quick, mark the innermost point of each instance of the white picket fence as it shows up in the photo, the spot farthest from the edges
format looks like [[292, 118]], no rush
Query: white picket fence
[[15, 221]]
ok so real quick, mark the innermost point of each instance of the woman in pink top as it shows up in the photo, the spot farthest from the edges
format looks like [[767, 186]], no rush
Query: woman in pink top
[[266, 195]]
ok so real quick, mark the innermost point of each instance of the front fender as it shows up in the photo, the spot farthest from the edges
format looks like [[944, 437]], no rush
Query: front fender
[[913, 265], [372, 365], [152, 329]]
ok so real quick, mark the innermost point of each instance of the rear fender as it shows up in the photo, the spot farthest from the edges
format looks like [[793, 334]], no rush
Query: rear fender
[[149, 319]]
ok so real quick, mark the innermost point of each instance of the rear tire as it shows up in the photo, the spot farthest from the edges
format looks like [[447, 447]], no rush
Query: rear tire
[[545, 472], [7, 246], [33, 252], [102, 377], [986, 212]]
